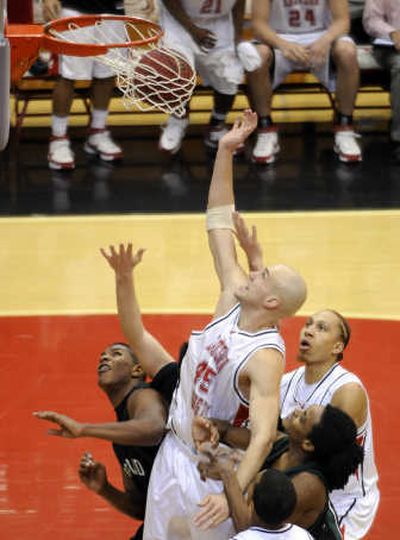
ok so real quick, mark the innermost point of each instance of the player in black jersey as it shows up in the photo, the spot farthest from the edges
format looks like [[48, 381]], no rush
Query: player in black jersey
[[141, 413], [318, 452]]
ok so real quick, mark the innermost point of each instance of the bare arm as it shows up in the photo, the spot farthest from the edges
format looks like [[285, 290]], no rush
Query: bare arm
[[239, 504], [145, 428], [248, 241], [221, 240], [203, 37], [51, 9], [94, 476], [352, 399], [238, 17], [265, 33], [340, 25], [264, 371], [150, 353], [311, 499]]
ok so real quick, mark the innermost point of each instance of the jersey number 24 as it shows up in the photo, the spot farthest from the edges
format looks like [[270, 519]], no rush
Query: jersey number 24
[[295, 17]]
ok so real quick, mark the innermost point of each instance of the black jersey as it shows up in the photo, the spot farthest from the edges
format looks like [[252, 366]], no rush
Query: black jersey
[[166, 380], [136, 461], [326, 526], [115, 7]]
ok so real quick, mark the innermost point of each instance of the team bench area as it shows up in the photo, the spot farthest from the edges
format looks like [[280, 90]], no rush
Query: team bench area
[[300, 98]]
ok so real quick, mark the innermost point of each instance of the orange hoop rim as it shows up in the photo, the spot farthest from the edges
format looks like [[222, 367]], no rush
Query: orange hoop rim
[[61, 46]]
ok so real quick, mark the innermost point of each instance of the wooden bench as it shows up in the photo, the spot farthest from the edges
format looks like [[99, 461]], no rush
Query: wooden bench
[[300, 96]]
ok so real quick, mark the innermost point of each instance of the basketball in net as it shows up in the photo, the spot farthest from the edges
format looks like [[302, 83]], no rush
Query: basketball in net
[[164, 79]]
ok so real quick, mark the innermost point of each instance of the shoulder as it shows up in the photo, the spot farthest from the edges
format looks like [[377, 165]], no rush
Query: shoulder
[[143, 397], [353, 400], [310, 489]]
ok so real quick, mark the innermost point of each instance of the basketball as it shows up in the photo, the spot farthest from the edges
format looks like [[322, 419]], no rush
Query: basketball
[[163, 77]]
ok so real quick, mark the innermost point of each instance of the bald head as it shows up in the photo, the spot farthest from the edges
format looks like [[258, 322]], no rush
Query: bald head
[[290, 288]]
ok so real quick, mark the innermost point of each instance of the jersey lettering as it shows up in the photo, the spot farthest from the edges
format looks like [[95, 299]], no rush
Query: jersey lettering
[[133, 467], [211, 7], [206, 373], [295, 17], [291, 3]]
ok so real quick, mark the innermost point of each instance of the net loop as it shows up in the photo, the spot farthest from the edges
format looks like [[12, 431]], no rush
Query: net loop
[[166, 83]]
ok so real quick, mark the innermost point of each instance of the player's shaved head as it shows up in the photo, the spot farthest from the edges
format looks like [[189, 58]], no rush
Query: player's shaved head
[[290, 288]]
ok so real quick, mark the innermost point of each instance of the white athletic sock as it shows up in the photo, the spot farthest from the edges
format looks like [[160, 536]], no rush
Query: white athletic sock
[[59, 125], [99, 119]]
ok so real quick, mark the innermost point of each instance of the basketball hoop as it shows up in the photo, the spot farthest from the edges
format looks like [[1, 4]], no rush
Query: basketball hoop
[[120, 42]]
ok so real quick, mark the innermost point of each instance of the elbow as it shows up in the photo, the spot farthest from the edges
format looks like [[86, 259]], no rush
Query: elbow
[[156, 435]]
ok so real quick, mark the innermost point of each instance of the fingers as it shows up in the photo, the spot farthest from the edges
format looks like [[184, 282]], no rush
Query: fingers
[[57, 433], [214, 512], [51, 416]]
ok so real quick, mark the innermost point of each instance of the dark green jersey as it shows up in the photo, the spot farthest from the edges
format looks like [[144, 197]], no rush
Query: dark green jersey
[[326, 527]]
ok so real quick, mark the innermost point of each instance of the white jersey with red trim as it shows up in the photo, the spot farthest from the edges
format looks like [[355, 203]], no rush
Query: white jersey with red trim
[[299, 16], [286, 532], [209, 377], [207, 9], [295, 394]]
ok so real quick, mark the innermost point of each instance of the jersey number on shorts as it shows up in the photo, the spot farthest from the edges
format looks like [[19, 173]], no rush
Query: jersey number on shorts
[[295, 17], [211, 6]]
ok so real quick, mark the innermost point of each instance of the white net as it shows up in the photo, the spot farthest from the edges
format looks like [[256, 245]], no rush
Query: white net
[[149, 77]]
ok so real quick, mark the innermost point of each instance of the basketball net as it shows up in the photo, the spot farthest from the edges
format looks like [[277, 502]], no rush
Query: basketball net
[[151, 87]]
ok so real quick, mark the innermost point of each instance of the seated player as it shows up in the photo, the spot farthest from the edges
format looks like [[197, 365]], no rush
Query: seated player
[[299, 35], [205, 32], [318, 451], [141, 414], [382, 20], [72, 68]]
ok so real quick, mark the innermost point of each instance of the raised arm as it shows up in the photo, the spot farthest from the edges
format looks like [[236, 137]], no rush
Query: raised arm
[[249, 243], [150, 353], [219, 212], [145, 427], [264, 371]]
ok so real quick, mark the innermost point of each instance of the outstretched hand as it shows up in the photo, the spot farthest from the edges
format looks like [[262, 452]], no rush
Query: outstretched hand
[[92, 473], [241, 129], [68, 427], [123, 260], [248, 241]]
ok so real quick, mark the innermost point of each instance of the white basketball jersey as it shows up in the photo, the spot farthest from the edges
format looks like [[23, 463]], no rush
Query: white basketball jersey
[[209, 378], [207, 9], [295, 394], [299, 16], [287, 532]]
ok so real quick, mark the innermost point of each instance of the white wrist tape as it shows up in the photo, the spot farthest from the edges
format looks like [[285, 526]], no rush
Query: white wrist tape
[[220, 217]]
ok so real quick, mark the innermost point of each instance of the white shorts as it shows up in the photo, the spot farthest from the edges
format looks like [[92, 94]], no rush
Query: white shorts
[[283, 66], [78, 68], [356, 518], [219, 68], [175, 490]]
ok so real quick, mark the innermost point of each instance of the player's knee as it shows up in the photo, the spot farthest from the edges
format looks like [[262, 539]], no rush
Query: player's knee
[[265, 53], [345, 55]]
